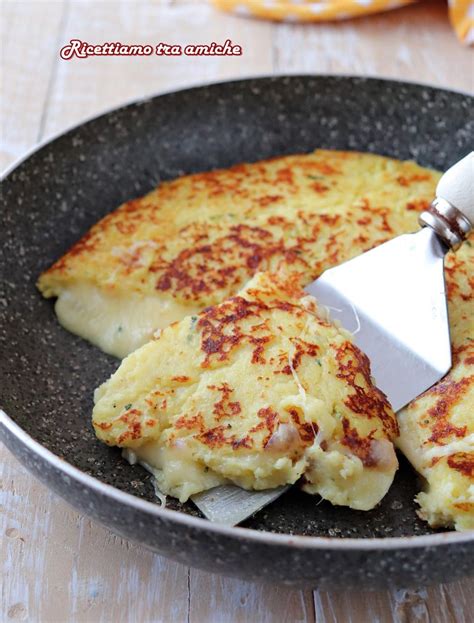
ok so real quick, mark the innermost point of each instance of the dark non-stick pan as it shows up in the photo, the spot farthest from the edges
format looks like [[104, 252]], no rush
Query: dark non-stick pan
[[48, 375]]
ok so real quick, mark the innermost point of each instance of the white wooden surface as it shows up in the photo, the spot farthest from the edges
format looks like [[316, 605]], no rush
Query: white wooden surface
[[57, 565]]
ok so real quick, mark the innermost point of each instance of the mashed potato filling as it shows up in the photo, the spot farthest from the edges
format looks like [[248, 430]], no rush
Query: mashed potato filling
[[260, 391]]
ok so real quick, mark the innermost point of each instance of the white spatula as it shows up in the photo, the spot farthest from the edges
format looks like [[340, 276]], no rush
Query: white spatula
[[393, 299]]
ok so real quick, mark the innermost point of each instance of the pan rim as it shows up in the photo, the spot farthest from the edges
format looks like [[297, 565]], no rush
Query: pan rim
[[142, 100], [139, 504], [296, 541]]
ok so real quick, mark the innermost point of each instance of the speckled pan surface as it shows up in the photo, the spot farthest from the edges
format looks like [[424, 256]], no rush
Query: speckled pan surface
[[48, 375]]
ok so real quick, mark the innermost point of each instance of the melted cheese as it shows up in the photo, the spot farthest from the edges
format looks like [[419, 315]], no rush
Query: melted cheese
[[175, 470], [117, 323]]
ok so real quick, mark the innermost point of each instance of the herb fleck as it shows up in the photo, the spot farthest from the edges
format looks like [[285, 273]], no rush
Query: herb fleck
[[128, 406], [190, 335]]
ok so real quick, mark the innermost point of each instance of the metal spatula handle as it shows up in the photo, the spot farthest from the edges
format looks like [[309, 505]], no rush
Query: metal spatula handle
[[451, 214]]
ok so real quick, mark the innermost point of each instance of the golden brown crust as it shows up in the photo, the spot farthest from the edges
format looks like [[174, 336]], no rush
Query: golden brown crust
[[364, 402], [198, 239], [248, 387]]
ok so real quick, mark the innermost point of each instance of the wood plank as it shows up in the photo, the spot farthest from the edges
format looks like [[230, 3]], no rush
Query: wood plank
[[58, 565], [216, 599], [84, 87], [413, 43], [29, 38], [445, 603]]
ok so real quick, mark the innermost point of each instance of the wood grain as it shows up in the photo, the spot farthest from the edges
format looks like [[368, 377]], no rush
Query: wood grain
[[61, 566], [85, 87], [57, 565], [413, 43], [445, 603], [29, 48], [215, 599]]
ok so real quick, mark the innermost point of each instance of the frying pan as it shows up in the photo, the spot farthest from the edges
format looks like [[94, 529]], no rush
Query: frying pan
[[48, 375]]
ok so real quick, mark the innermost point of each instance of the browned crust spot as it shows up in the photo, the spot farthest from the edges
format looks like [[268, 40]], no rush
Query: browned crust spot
[[462, 462], [132, 418], [450, 392], [307, 430], [360, 446], [366, 399], [224, 407]]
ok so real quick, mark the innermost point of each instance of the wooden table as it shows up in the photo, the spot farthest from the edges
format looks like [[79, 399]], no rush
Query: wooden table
[[57, 565]]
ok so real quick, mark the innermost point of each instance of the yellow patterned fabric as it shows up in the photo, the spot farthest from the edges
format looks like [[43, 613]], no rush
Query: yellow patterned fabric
[[461, 12]]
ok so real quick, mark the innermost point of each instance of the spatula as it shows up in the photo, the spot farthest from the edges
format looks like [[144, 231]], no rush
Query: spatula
[[393, 299]]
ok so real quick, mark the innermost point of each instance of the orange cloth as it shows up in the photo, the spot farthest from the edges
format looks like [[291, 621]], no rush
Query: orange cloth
[[461, 12]]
